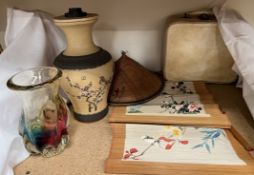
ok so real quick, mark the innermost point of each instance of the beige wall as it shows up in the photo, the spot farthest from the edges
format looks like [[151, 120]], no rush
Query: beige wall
[[115, 14], [132, 25], [2, 38], [244, 7]]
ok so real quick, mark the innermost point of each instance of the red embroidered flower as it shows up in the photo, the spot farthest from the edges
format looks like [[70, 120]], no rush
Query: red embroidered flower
[[193, 107], [130, 153], [166, 139], [184, 142], [169, 146], [133, 150], [126, 156]]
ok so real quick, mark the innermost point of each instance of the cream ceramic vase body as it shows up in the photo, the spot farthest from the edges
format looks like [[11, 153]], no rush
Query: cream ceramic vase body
[[87, 69]]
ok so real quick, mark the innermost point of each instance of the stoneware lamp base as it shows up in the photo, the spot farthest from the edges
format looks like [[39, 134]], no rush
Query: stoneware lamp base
[[91, 117], [87, 69]]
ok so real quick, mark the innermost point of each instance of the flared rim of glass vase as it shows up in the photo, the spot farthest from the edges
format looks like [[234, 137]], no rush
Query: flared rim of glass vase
[[34, 78]]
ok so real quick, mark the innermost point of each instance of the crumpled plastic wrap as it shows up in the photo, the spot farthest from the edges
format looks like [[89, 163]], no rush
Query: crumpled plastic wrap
[[32, 40], [238, 36]]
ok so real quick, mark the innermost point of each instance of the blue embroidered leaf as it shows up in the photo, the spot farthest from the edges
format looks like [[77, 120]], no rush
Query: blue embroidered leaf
[[207, 147], [222, 132], [209, 136], [216, 134], [213, 143], [198, 146], [206, 131]]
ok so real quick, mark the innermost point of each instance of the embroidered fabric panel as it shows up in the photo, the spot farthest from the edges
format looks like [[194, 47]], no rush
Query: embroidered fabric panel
[[176, 99], [178, 144], [178, 88]]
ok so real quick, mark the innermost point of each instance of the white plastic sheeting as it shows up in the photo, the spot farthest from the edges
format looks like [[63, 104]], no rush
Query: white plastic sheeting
[[238, 36], [32, 40]]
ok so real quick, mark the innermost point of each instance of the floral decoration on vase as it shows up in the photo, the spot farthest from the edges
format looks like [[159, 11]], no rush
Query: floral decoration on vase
[[92, 96]]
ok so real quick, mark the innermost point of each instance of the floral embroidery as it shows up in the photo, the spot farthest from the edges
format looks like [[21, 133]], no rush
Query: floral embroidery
[[174, 107], [210, 136], [174, 144], [180, 86], [92, 96], [167, 142], [175, 131], [130, 154], [183, 107], [171, 102]]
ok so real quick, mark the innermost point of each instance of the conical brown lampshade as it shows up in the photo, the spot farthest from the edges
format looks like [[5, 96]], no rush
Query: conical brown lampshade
[[132, 83]]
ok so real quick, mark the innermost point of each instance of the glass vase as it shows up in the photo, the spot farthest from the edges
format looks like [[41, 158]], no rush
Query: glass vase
[[45, 117]]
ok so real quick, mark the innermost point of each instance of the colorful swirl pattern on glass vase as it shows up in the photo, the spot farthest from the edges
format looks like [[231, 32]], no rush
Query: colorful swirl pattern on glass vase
[[45, 117]]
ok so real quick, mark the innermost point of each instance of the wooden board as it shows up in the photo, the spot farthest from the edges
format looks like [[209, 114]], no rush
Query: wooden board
[[115, 164], [117, 114]]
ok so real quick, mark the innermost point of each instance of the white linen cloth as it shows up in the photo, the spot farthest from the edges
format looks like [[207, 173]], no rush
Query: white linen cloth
[[32, 40], [239, 39]]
